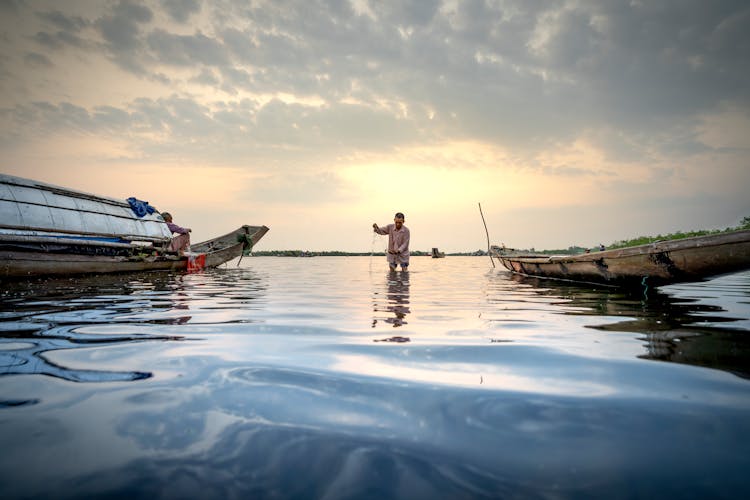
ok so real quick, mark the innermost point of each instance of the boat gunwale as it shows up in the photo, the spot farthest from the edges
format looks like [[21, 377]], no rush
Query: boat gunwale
[[242, 230]]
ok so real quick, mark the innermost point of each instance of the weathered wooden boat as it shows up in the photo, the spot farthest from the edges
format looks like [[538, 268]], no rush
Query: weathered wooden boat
[[51, 230], [437, 254], [658, 263]]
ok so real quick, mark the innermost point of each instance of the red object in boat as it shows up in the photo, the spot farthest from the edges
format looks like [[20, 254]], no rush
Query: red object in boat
[[196, 262]]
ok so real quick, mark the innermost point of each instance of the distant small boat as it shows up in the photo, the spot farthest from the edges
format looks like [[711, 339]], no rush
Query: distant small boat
[[658, 263], [437, 254], [51, 230]]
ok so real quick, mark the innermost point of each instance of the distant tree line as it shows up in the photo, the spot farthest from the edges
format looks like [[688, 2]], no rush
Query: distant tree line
[[307, 253], [337, 253]]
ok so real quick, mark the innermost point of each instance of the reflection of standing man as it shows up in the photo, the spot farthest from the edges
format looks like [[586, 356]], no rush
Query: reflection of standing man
[[398, 242], [397, 301]]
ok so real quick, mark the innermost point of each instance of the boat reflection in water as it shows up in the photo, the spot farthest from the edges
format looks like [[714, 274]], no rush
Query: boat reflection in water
[[678, 323], [40, 316], [56, 314]]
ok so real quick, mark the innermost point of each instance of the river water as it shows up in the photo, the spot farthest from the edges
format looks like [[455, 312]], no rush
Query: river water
[[331, 377]]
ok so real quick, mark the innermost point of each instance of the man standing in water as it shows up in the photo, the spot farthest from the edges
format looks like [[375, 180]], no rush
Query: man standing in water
[[398, 242]]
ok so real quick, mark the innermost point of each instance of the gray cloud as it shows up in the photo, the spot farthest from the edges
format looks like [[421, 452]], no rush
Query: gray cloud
[[570, 171], [35, 59], [206, 77], [111, 118], [275, 133], [631, 77], [10, 6], [181, 10], [186, 50], [63, 22], [121, 31], [659, 59], [406, 13], [58, 40]]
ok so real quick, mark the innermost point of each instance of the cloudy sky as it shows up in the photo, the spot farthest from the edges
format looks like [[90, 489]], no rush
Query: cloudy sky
[[571, 121]]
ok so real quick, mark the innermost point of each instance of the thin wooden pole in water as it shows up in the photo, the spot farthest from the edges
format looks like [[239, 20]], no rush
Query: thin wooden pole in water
[[489, 252]]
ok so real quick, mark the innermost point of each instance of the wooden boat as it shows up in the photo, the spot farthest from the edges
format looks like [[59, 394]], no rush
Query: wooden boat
[[437, 254], [658, 263], [51, 230]]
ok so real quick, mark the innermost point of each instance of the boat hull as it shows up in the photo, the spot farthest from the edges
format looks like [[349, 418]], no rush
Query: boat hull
[[689, 259], [44, 260]]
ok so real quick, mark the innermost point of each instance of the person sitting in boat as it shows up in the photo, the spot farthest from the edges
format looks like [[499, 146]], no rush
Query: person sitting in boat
[[181, 242], [398, 242]]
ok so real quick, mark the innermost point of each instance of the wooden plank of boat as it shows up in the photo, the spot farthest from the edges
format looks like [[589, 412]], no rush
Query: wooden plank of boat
[[689, 259]]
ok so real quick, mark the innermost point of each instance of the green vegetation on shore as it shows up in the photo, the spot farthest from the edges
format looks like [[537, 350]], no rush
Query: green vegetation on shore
[[643, 240]]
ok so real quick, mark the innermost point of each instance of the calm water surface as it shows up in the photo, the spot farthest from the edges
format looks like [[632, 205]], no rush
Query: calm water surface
[[330, 377]]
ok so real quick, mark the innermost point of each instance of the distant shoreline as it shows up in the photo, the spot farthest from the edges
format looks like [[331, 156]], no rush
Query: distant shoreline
[[336, 253]]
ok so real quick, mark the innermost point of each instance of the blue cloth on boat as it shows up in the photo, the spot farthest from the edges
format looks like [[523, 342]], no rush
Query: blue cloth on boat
[[140, 208]]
